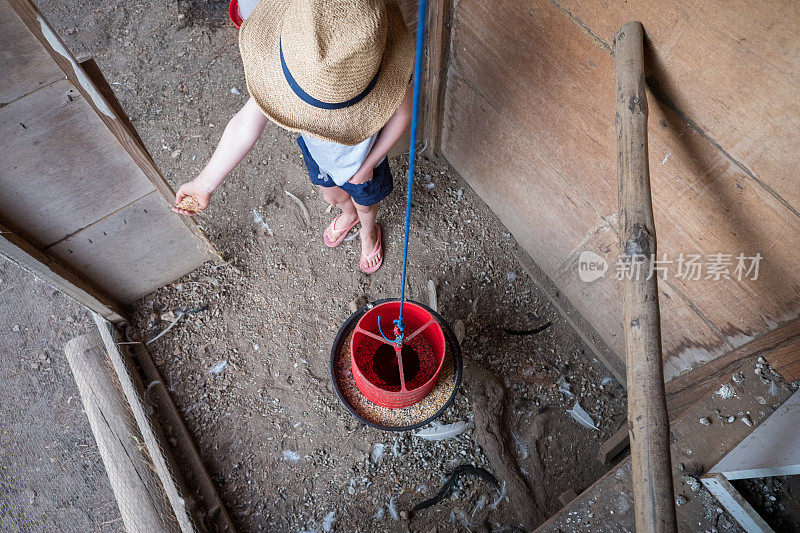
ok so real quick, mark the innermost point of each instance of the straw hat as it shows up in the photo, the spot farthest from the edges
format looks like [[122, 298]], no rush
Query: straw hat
[[336, 69]]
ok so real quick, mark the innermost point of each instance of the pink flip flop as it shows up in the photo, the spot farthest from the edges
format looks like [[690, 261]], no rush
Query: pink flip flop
[[376, 251], [333, 244]]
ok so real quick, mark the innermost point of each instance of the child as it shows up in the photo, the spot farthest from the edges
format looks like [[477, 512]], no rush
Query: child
[[337, 72]]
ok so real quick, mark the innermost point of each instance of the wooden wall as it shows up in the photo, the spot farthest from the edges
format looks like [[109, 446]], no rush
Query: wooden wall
[[528, 122]]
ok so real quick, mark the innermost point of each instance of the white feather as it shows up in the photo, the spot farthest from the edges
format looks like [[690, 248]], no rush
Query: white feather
[[773, 389], [464, 520], [582, 417], [392, 509], [500, 496], [441, 432], [478, 506], [291, 456], [327, 523], [522, 448], [377, 452]]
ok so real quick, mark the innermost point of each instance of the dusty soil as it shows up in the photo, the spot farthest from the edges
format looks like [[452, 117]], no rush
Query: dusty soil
[[51, 474], [250, 372]]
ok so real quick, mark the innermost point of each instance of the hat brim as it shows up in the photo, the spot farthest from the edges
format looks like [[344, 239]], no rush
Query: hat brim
[[259, 42]]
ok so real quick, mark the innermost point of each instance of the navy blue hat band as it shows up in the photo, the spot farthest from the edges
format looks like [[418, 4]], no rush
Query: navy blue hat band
[[310, 100]]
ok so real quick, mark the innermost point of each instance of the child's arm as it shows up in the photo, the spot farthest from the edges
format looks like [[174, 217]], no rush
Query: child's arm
[[239, 136], [390, 134]]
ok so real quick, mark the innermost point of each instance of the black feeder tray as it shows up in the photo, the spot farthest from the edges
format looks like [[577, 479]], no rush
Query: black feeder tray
[[404, 419]]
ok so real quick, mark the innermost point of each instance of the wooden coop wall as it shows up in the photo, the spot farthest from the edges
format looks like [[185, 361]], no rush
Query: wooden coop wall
[[81, 202], [529, 123]]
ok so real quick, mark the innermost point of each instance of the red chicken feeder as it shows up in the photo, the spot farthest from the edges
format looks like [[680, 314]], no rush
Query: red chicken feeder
[[392, 377]]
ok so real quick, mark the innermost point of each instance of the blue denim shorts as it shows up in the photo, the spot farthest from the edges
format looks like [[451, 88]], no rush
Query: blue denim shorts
[[366, 194]]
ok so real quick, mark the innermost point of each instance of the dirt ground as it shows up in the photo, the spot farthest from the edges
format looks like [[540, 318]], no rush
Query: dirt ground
[[250, 372], [51, 474]]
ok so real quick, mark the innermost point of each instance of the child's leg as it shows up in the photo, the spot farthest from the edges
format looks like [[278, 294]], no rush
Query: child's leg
[[369, 231], [339, 198]]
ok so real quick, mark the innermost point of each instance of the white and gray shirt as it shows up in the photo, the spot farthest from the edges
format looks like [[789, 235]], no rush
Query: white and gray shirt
[[339, 161]]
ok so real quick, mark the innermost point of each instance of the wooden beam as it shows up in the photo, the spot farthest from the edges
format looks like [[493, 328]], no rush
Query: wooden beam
[[735, 504], [436, 54], [566, 497], [648, 423], [139, 495], [54, 272], [132, 388], [157, 393], [613, 446], [53, 44], [780, 346]]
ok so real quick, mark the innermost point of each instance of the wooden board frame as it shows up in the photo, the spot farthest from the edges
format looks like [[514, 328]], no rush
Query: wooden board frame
[[97, 98], [86, 79], [50, 269]]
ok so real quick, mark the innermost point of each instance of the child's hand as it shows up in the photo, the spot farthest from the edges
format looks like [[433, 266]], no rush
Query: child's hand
[[362, 176], [191, 188]]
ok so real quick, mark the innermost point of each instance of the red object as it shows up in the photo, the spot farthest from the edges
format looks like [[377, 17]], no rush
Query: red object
[[233, 13], [390, 377]]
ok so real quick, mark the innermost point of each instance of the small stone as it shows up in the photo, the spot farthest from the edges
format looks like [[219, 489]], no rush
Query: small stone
[[762, 360], [705, 421], [738, 378], [15, 328], [404, 515], [731, 419], [747, 421], [357, 303], [680, 501]]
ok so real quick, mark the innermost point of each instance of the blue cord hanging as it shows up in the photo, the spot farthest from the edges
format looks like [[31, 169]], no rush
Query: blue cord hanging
[[399, 326]]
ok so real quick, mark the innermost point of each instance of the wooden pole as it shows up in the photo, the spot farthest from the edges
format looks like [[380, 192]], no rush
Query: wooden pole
[[216, 515], [141, 500], [653, 496]]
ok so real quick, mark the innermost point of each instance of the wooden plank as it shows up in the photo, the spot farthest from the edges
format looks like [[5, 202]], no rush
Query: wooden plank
[[735, 504], [532, 207], [132, 251], [139, 495], [53, 44], [537, 81], [63, 168], [778, 346], [89, 65], [436, 56], [687, 339], [25, 65], [744, 95], [57, 274], [612, 447], [607, 505]]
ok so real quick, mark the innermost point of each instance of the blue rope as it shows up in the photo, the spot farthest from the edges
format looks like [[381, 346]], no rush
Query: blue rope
[[412, 152]]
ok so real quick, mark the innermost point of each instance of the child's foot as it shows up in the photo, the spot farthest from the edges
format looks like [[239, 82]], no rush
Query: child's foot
[[371, 250], [338, 229]]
